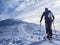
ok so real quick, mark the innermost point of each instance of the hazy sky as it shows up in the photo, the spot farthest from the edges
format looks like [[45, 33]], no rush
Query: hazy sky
[[29, 10]]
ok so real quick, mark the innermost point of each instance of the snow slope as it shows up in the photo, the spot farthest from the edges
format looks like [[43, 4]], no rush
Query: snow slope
[[17, 32]]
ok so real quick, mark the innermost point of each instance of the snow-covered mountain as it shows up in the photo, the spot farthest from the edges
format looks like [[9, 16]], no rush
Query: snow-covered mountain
[[12, 29], [17, 32]]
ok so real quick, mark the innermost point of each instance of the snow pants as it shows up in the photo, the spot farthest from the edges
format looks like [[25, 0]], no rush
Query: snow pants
[[48, 26]]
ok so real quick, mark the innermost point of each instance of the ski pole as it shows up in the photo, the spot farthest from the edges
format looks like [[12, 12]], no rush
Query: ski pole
[[39, 30], [54, 28]]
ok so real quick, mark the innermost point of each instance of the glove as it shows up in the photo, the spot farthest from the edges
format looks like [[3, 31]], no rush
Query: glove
[[52, 20], [40, 20]]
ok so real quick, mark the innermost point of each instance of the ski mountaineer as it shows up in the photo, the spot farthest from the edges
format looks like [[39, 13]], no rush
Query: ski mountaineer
[[49, 18]]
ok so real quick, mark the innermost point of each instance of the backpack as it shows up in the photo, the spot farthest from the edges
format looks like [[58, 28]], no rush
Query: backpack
[[50, 15]]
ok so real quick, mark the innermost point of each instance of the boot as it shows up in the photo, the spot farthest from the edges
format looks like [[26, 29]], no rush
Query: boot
[[48, 36]]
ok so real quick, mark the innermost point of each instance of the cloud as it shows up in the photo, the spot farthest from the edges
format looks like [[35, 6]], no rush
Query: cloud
[[25, 4], [4, 16], [11, 3], [57, 3], [20, 7], [6, 4]]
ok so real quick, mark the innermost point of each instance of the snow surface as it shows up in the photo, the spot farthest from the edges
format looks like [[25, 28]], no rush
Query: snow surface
[[17, 32]]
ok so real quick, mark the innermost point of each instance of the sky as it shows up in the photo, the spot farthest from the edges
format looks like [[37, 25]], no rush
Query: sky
[[29, 10]]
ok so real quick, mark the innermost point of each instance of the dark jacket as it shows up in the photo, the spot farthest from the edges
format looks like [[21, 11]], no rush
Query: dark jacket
[[45, 14]]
